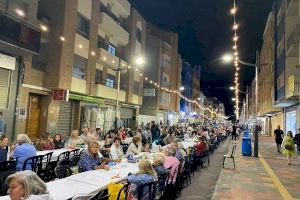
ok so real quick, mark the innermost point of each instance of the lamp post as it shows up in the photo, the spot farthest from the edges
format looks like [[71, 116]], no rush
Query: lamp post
[[139, 61], [229, 58]]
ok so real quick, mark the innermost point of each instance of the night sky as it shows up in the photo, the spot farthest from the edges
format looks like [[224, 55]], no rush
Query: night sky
[[205, 28]]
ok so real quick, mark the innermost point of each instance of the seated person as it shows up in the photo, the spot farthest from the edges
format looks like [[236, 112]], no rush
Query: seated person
[[171, 162], [86, 136], [3, 148], [161, 171], [74, 140], [200, 146], [116, 151], [171, 137], [135, 147], [178, 154], [23, 150], [129, 137], [46, 142], [90, 160], [58, 142], [146, 175], [27, 185]]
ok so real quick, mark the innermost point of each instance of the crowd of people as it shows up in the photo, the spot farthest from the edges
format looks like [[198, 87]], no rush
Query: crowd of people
[[116, 145]]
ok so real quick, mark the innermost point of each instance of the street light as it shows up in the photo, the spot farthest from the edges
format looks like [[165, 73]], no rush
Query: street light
[[181, 88], [139, 61]]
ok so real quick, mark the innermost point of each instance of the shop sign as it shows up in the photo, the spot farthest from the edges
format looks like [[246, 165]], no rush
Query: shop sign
[[60, 95], [149, 92]]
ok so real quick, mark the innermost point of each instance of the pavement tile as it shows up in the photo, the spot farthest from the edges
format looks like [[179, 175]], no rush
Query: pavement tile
[[250, 180]]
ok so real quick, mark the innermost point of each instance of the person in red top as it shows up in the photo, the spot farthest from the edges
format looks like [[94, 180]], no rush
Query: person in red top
[[200, 147], [122, 133], [46, 142]]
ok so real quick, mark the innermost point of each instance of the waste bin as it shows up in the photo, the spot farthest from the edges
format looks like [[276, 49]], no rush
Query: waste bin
[[246, 133], [246, 146]]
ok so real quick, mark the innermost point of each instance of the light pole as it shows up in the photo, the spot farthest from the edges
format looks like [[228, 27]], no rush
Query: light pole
[[139, 61], [226, 58]]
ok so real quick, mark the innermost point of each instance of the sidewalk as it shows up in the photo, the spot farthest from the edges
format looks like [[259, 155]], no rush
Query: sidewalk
[[263, 178]]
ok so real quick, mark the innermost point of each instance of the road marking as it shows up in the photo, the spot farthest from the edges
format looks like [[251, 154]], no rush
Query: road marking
[[282, 190]]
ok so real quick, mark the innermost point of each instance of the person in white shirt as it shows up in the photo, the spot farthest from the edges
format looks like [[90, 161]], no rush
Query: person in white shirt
[[116, 151], [135, 147]]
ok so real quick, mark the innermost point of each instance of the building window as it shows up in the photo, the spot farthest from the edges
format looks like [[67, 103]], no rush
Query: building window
[[111, 49], [83, 27], [110, 81], [139, 35], [79, 67], [98, 76], [5, 80], [136, 88]]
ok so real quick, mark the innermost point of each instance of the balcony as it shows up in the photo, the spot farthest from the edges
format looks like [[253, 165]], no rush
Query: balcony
[[293, 90], [78, 85], [17, 36], [113, 27], [292, 8], [293, 42], [109, 93], [109, 60], [122, 6]]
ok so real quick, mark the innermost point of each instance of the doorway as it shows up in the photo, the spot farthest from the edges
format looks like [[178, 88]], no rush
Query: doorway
[[34, 111]]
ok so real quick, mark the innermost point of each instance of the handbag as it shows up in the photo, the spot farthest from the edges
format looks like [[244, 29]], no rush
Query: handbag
[[114, 189]]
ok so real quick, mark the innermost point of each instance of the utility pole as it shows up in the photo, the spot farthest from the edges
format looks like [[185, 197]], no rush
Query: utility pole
[[256, 130]]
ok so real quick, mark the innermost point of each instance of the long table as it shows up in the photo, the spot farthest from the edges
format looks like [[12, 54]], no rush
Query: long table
[[91, 182], [88, 183]]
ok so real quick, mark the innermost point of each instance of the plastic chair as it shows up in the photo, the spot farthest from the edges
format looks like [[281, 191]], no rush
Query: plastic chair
[[74, 160], [45, 171], [62, 171], [7, 166], [63, 158], [32, 162], [230, 156], [148, 190], [75, 152], [125, 190]]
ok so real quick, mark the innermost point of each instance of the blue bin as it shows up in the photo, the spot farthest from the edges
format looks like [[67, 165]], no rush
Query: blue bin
[[246, 134], [246, 146]]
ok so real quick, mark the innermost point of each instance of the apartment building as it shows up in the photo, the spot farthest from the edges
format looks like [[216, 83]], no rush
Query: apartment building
[[270, 115], [163, 66], [20, 36], [72, 82], [186, 107], [196, 87], [286, 61]]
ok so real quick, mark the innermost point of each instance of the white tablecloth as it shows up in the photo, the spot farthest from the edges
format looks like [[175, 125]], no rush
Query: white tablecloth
[[88, 183], [187, 144]]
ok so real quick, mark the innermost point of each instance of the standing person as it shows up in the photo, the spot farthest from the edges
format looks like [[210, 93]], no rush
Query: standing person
[[155, 132], [297, 141], [288, 146], [233, 134], [278, 133], [2, 125]]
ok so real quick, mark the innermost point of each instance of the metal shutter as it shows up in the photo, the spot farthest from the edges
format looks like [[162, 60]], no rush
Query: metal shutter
[[4, 87], [65, 118]]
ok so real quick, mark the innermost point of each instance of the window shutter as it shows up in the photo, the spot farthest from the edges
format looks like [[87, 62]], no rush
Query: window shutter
[[4, 87]]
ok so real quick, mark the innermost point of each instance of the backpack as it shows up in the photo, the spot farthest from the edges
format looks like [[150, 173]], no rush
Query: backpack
[[288, 144]]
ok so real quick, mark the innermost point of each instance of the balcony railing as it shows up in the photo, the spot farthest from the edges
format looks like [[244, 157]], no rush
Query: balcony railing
[[294, 38], [18, 32], [105, 10]]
